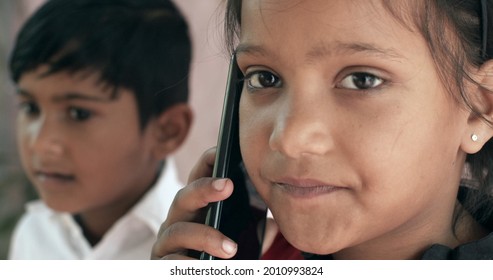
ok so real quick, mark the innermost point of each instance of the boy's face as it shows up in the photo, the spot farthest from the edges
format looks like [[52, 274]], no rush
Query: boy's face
[[82, 150], [345, 128]]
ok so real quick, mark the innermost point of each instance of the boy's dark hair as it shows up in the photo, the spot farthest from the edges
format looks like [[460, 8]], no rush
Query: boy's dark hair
[[140, 45], [459, 34]]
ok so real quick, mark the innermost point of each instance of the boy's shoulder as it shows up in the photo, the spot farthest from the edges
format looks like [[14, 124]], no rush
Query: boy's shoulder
[[38, 218], [38, 207], [37, 228], [36, 211]]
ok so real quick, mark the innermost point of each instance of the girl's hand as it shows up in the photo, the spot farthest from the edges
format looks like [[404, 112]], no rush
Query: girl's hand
[[184, 229]]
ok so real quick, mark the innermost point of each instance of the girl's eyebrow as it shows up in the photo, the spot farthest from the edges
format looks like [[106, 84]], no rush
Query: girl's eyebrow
[[251, 49], [340, 48], [324, 49]]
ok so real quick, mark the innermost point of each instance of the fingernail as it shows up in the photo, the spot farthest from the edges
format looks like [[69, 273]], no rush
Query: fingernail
[[220, 184], [229, 247]]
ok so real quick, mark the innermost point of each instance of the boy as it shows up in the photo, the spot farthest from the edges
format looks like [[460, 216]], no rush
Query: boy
[[102, 90]]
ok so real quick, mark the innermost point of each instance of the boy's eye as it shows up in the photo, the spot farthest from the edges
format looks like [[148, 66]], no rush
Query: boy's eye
[[79, 114], [29, 108], [262, 79], [360, 81]]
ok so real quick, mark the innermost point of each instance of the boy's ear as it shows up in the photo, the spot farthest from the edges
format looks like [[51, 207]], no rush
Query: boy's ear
[[480, 126], [170, 129]]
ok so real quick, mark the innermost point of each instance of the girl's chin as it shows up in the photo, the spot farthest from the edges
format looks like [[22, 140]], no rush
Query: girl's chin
[[318, 249], [313, 240]]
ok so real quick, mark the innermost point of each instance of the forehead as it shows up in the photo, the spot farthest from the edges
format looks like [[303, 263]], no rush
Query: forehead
[[321, 26], [64, 85]]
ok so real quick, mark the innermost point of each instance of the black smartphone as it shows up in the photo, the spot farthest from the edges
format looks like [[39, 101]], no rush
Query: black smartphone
[[241, 217]]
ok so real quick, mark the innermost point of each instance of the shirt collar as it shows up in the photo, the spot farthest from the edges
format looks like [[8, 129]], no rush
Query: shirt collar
[[153, 208]]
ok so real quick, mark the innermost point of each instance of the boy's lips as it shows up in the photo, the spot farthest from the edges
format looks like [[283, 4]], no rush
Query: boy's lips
[[44, 176]]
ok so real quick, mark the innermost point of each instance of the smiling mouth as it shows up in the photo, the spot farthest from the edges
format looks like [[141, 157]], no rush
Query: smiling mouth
[[52, 176], [306, 191]]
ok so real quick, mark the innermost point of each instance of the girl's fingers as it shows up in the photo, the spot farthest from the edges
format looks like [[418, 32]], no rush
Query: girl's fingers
[[205, 165], [194, 197], [176, 257], [179, 233], [192, 236]]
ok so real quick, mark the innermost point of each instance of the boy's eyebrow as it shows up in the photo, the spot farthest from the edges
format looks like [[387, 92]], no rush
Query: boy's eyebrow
[[24, 93], [324, 49], [66, 96]]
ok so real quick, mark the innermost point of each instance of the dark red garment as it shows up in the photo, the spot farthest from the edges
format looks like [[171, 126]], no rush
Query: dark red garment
[[282, 250]]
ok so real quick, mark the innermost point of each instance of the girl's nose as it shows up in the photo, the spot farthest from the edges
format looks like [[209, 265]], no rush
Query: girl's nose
[[302, 127]]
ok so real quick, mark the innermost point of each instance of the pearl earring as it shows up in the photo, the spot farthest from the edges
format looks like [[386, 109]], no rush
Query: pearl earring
[[474, 137]]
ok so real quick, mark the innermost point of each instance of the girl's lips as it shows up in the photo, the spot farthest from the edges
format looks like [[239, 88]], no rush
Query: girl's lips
[[306, 187]]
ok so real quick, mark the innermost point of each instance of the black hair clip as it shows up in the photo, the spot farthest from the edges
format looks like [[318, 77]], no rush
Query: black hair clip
[[484, 27]]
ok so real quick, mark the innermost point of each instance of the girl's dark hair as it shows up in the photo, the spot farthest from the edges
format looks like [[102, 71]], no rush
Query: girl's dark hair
[[454, 32], [140, 45]]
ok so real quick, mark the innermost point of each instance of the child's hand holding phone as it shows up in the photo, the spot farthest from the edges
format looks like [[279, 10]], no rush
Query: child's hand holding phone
[[183, 229], [236, 217]]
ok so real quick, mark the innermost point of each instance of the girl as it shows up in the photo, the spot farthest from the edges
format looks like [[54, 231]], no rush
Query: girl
[[357, 120]]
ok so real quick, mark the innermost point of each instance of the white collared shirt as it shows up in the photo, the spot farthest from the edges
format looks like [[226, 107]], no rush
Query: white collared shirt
[[45, 234]]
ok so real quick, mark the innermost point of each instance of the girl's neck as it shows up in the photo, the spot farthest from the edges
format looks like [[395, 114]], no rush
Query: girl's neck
[[411, 244]]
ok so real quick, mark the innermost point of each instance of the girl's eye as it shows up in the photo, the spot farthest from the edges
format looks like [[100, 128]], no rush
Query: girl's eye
[[79, 114], [262, 79], [360, 81], [29, 108]]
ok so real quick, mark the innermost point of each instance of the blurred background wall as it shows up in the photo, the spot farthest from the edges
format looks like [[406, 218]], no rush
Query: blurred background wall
[[208, 78]]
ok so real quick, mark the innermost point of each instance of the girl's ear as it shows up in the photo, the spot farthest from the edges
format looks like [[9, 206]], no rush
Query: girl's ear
[[480, 123], [170, 129]]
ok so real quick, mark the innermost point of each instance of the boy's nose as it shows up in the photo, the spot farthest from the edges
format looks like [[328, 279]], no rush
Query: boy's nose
[[43, 138], [302, 127]]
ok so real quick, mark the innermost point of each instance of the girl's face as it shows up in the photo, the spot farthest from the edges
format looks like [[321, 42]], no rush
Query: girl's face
[[345, 128]]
